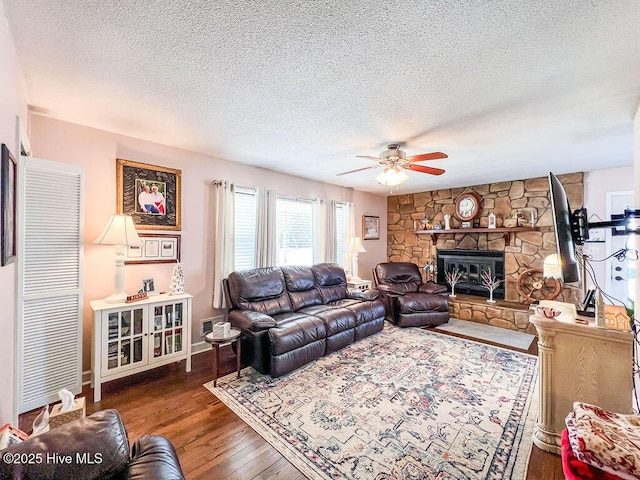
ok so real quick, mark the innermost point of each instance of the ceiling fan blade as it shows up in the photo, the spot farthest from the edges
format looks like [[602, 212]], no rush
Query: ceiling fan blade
[[358, 170], [376, 159], [426, 156], [422, 169]]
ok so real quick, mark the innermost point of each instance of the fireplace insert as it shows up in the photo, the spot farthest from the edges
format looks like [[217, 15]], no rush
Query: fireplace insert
[[472, 263]]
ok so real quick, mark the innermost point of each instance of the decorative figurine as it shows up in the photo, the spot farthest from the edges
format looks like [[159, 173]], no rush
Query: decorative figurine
[[490, 282], [453, 277]]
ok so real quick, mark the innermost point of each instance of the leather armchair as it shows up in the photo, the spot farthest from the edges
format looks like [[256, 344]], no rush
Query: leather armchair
[[408, 301], [93, 447]]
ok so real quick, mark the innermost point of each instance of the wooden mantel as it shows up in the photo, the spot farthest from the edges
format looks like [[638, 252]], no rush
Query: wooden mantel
[[506, 232]]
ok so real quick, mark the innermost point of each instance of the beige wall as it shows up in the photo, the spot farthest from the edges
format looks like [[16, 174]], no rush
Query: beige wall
[[12, 103], [96, 151]]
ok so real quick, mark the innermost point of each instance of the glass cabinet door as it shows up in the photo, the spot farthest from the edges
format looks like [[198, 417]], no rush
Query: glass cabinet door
[[167, 330], [124, 339]]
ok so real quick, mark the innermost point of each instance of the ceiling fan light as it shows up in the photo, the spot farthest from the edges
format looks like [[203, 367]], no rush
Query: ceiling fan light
[[391, 177]]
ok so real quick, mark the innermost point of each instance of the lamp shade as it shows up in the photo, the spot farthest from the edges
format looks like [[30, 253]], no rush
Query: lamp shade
[[355, 246], [552, 267], [391, 177], [119, 230]]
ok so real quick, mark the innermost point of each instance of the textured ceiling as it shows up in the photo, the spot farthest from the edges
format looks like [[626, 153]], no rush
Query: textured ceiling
[[508, 89]]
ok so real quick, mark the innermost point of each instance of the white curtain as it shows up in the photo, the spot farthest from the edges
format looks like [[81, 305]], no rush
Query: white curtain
[[224, 238], [266, 251], [349, 229], [327, 233]]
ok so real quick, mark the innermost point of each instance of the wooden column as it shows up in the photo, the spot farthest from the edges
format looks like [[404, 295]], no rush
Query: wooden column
[[579, 363]]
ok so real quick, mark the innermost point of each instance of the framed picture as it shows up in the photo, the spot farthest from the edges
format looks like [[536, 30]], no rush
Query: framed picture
[[370, 227], [148, 286], [150, 194], [155, 248], [8, 175]]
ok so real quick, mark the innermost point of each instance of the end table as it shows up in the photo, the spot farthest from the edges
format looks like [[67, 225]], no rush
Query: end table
[[217, 342]]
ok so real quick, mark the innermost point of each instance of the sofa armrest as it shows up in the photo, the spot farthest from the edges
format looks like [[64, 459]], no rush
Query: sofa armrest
[[365, 296], [96, 446], [153, 457], [250, 320]]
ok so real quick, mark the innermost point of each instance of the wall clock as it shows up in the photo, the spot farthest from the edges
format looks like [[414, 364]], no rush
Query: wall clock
[[467, 206]]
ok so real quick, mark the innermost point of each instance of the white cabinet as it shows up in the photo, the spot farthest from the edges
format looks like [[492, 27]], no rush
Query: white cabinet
[[579, 363], [132, 337]]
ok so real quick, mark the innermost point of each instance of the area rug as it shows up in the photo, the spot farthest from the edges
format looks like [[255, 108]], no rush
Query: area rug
[[489, 333], [402, 404]]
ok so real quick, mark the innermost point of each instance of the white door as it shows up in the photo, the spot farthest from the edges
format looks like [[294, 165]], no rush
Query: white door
[[49, 293], [617, 272]]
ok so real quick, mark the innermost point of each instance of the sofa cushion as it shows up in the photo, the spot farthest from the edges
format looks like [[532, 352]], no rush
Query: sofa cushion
[[331, 281], [261, 289], [288, 336], [417, 302], [301, 286]]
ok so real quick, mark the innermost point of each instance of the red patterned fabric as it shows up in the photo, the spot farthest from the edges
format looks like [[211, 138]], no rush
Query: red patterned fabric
[[605, 440], [574, 469]]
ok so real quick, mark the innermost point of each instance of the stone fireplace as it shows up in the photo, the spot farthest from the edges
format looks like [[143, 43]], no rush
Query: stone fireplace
[[513, 203], [472, 263]]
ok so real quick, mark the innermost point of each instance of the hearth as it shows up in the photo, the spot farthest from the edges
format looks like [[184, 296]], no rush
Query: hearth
[[472, 263]]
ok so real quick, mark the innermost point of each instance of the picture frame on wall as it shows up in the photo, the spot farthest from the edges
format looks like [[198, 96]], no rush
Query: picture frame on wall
[[370, 227], [150, 194], [8, 194], [155, 248]]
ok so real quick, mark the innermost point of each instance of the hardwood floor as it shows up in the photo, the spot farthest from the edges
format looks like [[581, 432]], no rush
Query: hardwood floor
[[211, 441]]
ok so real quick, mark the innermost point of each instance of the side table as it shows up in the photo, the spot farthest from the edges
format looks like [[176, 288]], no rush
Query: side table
[[361, 285], [218, 342]]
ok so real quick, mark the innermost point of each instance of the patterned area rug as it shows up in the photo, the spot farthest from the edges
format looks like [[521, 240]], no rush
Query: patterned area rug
[[403, 404]]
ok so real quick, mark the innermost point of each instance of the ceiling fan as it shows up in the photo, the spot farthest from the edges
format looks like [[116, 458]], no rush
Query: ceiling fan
[[394, 159]]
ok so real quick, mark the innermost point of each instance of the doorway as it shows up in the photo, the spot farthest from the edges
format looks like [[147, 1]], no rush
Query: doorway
[[618, 272]]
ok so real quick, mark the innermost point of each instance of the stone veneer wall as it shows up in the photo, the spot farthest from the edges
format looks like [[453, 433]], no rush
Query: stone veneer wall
[[504, 200]]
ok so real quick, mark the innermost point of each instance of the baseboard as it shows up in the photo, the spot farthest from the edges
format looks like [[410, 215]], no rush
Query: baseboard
[[198, 347]]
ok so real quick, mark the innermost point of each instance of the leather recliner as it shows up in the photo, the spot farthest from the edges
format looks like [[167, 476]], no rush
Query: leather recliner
[[93, 447], [408, 301]]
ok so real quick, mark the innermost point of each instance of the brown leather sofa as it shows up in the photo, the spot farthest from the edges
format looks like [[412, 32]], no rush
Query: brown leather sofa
[[408, 301], [93, 447], [293, 315]]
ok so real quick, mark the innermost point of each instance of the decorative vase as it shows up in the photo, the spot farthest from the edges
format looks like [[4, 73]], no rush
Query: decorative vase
[[447, 225], [453, 291]]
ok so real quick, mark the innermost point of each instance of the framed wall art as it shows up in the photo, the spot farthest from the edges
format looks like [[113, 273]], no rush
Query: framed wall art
[[8, 177], [150, 194], [155, 248], [370, 227]]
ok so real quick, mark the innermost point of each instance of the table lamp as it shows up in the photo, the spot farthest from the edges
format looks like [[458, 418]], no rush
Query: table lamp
[[355, 247], [120, 232]]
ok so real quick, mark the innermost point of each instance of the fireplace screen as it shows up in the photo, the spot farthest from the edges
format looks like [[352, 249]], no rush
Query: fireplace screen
[[472, 263]]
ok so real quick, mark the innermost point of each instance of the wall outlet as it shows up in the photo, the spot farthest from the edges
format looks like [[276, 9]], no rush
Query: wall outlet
[[206, 324]]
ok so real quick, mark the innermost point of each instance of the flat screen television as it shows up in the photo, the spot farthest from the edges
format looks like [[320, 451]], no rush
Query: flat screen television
[[563, 229]]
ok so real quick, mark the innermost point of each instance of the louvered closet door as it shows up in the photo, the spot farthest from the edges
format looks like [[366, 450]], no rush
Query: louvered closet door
[[49, 281]]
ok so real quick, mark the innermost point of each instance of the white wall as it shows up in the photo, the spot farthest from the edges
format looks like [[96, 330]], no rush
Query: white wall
[[596, 186], [97, 150], [12, 103]]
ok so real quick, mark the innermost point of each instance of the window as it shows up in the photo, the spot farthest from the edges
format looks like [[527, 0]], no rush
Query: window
[[294, 220], [245, 228]]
